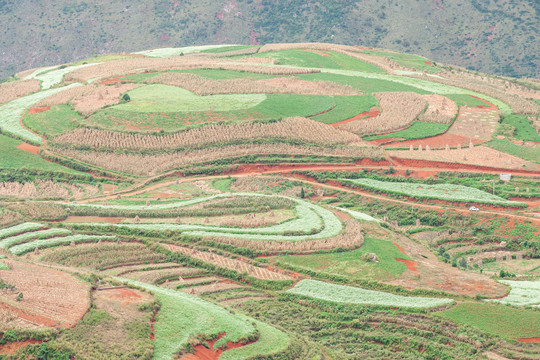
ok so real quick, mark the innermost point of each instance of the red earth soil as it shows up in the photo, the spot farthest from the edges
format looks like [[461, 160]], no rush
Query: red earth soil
[[530, 340], [530, 202], [38, 109], [456, 166], [427, 63], [204, 353], [400, 248], [318, 52], [322, 112], [29, 148], [385, 140], [434, 142], [410, 264], [284, 168], [126, 296], [12, 347], [490, 105], [374, 111]]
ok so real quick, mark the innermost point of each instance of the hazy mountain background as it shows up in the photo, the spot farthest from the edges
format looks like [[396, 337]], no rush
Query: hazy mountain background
[[494, 36]]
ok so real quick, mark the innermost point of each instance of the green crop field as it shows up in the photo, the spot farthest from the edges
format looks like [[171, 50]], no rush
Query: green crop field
[[164, 98], [523, 152], [332, 60], [352, 265], [56, 121], [353, 295], [406, 60], [347, 107], [465, 100], [524, 129], [498, 320], [447, 192], [417, 130]]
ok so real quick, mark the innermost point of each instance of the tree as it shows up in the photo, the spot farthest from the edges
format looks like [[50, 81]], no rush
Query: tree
[[126, 97], [302, 193]]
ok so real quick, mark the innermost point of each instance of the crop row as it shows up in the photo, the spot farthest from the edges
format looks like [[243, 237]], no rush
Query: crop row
[[312, 222], [18, 229], [353, 295], [35, 235], [41, 244], [446, 192]]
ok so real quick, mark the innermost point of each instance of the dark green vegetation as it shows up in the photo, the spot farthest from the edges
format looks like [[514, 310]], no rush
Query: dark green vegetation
[[347, 107], [505, 321], [465, 100], [523, 128], [441, 32]]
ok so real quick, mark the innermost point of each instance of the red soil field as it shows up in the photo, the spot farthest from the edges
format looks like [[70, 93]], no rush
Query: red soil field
[[204, 353], [39, 109], [400, 248], [446, 165], [530, 340], [12, 347], [427, 63], [434, 142], [374, 111], [410, 264], [322, 112], [384, 141], [126, 296], [490, 105], [29, 148]]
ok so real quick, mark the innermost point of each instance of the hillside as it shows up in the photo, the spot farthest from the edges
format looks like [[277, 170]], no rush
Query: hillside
[[307, 201], [498, 37]]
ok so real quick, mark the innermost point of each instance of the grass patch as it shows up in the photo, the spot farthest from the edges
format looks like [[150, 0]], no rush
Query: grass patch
[[497, 320], [164, 98], [347, 107], [333, 60], [13, 158], [228, 48], [523, 152], [350, 263], [353, 295], [524, 129], [54, 122], [418, 130], [275, 106], [465, 100], [364, 84], [223, 184], [409, 61]]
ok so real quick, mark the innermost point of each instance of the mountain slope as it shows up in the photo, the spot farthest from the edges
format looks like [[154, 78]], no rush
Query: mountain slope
[[490, 36]]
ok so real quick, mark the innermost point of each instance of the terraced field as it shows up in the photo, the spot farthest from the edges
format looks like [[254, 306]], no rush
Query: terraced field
[[286, 201]]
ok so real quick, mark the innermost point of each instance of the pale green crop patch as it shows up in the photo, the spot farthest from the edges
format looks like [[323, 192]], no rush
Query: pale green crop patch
[[47, 243], [165, 98], [35, 235], [312, 222], [353, 295], [19, 229], [182, 316], [447, 192], [168, 52], [11, 113], [522, 293], [54, 77]]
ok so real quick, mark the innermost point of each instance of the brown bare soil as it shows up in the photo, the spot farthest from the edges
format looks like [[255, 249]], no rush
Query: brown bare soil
[[51, 298], [440, 109], [290, 128], [98, 97], [399, 110], [29, 148], [14, 89], [410, 264], [240, 265], [530, 340], [476, 157], [475, 123], [437, 275], [280, 85]]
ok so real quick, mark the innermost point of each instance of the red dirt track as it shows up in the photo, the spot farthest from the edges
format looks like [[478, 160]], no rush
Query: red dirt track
[[38, 109], [374, 111], [12, 347], [410, 264], [29, 148], [530, 340]]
